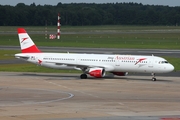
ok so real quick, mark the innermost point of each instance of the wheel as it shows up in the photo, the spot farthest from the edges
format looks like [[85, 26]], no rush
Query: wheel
[[153, 79], [83, 76]]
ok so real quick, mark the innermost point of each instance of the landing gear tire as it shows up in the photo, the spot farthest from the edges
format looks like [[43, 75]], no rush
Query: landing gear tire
[[153, 79], [83, 76]]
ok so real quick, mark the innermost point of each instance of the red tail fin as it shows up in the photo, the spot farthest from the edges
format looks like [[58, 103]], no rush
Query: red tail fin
[[27, 45]]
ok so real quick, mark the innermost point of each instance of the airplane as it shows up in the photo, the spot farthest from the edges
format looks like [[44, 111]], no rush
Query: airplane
[[96, 65]]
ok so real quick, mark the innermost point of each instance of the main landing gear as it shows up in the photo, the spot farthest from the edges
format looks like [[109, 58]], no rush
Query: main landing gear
[[83, 76], [153, 77]]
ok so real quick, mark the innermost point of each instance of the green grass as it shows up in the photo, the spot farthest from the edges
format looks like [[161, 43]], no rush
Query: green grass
[[144, 41], [142, 37], [7, 54], [28, 67]]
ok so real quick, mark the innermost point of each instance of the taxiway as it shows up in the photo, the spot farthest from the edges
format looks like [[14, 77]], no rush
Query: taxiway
[[42, 96]]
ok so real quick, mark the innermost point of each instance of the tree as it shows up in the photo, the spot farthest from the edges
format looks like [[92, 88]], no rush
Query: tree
[[89, 14]]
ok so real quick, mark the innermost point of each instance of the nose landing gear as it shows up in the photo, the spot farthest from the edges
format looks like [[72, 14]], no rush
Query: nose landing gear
[[153, 77]]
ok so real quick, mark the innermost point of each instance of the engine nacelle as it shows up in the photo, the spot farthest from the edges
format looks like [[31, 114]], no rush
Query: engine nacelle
[[120, 73], [97, 72]]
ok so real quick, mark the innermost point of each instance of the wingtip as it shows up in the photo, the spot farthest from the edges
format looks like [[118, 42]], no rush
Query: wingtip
[[21, 30]]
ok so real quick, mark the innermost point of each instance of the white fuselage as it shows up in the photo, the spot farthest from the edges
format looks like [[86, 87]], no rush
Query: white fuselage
[[95, 65], [111, 63]]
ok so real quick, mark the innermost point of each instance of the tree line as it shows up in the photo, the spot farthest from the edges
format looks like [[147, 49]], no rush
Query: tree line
[[80, 14]]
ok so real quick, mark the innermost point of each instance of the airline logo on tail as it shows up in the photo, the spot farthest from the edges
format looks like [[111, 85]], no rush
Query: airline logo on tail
[[29, 46], [23, 39]]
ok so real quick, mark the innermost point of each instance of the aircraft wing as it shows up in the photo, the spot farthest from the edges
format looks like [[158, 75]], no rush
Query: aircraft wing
[[82, 66]]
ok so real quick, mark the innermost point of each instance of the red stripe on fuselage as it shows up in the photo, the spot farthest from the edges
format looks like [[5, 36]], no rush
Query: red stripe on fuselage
[[32, 49]]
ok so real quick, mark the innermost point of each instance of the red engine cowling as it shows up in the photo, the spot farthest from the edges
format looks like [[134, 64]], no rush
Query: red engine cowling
[[97, 72], [120, 73]]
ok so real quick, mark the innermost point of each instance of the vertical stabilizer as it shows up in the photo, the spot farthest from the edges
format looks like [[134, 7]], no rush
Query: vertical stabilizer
[[26, 43]]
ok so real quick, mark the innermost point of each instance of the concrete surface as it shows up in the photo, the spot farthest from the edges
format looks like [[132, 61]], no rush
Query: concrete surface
[[42, 96]]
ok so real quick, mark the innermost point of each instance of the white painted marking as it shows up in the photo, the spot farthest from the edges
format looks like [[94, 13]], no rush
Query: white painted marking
[[73, 89], [44, 102]]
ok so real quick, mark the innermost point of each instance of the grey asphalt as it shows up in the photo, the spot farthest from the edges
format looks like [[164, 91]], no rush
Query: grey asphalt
[[116, 99], [155, 52], [126, 118]]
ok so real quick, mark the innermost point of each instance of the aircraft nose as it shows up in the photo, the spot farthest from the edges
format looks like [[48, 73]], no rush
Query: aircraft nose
[[171, 68]]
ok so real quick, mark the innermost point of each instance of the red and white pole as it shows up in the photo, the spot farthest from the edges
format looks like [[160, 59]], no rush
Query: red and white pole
[[58, 26]]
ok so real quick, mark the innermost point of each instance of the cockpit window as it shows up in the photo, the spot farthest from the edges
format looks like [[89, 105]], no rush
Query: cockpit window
[[163, 62]]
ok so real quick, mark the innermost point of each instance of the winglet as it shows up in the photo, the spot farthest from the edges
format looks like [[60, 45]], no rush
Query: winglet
[[26, 43]]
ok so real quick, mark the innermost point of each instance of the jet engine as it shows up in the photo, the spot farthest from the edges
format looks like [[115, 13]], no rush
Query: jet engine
[[97, 72], [120, 73]]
